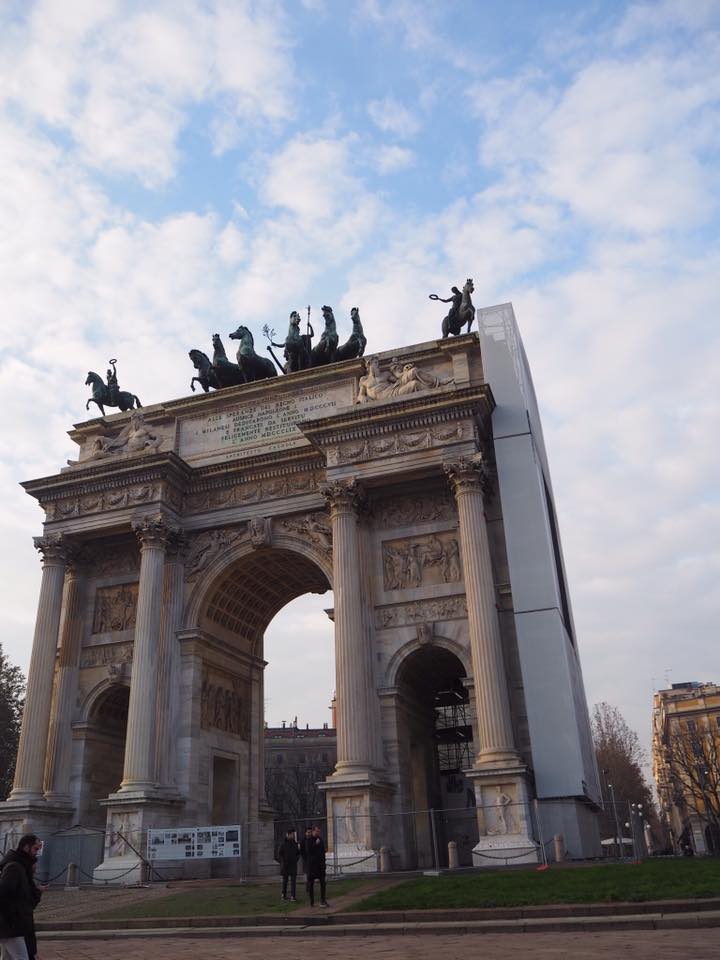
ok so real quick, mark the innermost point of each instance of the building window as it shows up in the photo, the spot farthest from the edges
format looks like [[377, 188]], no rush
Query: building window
[[692, 726]]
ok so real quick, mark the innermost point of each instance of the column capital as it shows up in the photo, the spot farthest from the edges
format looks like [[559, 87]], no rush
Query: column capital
[[468, 475], [155, 531], [56, 549], [344, 496]]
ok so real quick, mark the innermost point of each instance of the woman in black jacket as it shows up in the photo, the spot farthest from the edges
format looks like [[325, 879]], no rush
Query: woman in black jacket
[[18, 898]]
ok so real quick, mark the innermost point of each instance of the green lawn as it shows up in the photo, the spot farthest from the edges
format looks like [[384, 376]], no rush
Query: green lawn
[[236, 900], [650, 880]]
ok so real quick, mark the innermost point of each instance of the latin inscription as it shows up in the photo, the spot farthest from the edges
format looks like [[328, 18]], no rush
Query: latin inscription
[[268, 425]]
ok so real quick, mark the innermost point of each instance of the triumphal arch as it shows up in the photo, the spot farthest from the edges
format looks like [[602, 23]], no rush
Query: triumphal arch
[[414, 485]]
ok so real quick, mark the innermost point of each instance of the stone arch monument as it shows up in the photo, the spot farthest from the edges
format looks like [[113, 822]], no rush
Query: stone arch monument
[[415, 486]]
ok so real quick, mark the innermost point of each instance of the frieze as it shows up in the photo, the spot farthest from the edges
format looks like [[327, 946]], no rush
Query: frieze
[[108, 559], [253, 491], [225, 703], [405, 442], [204, 547], [115, 608], [422, 611], [421, 561], [314, 527], [409, 511], [106, 655], [115, 499]]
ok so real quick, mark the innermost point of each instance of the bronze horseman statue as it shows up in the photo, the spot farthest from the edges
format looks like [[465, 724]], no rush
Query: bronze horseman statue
[[109, 394], [461, 312]]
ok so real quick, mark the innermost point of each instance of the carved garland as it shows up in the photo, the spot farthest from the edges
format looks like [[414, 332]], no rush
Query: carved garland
[[368, 449]]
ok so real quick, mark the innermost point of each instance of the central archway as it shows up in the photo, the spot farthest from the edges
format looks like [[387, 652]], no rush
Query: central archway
[[224, 668]]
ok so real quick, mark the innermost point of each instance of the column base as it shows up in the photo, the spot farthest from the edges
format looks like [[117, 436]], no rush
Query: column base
[[129, 816], [357, 808], [505, 829], [39, 815]]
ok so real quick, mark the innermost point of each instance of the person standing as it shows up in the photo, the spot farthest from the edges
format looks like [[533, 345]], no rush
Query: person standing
[[18, 898], [288, 855], [315, 865]]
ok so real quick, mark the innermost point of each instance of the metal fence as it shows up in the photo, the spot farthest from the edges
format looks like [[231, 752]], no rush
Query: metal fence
[[500, 834]]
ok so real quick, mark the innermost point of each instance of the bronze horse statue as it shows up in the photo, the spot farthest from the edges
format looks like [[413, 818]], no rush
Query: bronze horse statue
[[228, 373], [252, 366], [103, 397], [355, 345], [207, 376], [325, 351], [461, 312]]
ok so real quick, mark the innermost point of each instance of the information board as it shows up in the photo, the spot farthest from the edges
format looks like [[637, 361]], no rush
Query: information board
[[194, 843]]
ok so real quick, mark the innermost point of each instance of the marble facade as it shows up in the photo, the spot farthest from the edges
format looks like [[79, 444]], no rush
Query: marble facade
[[171, 543]]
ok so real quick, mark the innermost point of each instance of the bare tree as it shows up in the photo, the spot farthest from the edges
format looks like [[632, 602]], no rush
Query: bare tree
[[620, 758], [692, 756]]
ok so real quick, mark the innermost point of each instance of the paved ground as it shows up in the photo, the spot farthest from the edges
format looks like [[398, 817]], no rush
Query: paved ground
[[634, 945]]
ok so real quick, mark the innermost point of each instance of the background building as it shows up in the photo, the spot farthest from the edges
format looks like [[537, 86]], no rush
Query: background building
[[686, 764], [296, 760]]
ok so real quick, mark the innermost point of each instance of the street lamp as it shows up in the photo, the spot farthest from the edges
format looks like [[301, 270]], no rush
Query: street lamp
[[617, 822]]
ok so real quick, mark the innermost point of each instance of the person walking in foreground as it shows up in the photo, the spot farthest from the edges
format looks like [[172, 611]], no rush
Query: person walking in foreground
[[18, 898], [314, 849], [288, 854]]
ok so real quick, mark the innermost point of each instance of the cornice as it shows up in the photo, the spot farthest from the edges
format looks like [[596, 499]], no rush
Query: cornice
[[106, 475], [412, 412]]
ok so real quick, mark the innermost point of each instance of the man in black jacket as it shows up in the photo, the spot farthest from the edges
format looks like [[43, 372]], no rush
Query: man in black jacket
[[18, 898], [287, 855], [314, 857]]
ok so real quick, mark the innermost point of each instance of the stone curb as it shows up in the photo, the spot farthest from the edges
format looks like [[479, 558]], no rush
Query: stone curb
[[584, 924], [539, 912]]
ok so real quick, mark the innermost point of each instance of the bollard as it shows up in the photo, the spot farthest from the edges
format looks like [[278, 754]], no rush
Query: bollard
[[385, 860], [560, 851], [71, 880], [453, 862]]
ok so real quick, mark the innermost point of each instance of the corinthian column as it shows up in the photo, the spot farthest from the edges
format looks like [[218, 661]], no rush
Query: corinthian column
[[469, 482], [57, 773], [353, 666], [169, 664], [30, 765], [139, 770]]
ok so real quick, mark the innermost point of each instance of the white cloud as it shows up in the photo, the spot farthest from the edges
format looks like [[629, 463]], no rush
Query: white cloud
[[391, 159], [390, 116], [121, 82]]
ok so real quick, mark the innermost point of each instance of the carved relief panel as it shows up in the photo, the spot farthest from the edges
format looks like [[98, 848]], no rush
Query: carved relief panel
[[421, 561], [225, 703], [115, 608]]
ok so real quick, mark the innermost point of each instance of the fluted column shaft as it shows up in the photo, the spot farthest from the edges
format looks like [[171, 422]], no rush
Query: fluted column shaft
[[57, 770], [30, 764], [353, 668], [139, 769], [168, 676], [496, 744]]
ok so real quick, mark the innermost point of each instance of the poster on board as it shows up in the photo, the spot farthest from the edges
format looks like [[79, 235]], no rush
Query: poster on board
[[194, 843]]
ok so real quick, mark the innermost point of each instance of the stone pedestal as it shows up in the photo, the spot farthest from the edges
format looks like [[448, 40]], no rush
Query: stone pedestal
[[357, 825], [504, 820], [129, 817]]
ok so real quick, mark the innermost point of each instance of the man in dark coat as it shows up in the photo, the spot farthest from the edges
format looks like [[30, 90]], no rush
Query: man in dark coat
[[288, 855], [18, 898], [314, 850]]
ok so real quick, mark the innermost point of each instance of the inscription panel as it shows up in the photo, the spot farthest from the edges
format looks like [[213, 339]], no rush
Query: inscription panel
[[261, 426]]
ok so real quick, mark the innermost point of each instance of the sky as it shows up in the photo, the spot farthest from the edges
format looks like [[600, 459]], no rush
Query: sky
[[169, 169]]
